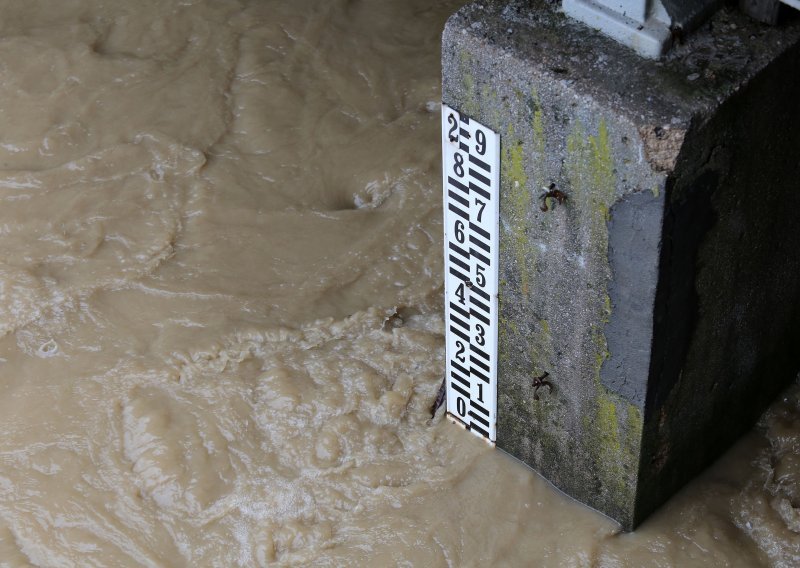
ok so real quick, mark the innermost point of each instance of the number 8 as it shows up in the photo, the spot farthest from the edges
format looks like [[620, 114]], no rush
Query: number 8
[[458, 167]]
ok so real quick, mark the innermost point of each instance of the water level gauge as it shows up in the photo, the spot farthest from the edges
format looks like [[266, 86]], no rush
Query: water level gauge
[[471, 175]]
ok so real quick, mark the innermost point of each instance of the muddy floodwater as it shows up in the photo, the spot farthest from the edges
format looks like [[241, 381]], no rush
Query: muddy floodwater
[[220, 310]]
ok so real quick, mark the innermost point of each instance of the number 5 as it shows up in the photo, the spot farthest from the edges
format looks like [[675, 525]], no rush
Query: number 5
[[480, 277]]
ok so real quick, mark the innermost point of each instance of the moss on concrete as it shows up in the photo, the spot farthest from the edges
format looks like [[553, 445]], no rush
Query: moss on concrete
[[590, 168], [612, 447], [516, 203], [602, 169], [538, 142], [618, 428]]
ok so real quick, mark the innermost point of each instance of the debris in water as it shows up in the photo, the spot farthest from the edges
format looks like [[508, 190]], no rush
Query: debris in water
[[439, 398]]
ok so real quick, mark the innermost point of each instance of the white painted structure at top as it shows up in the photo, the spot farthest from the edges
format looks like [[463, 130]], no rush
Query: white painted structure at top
[[643, 25], [648, 26]]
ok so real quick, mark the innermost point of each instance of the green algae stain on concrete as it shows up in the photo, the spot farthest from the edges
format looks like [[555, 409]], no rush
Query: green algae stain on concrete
[[541, 347], [507, 328], [606, 428], [602, 169], [517, 189], [538, 142], [601, 443], [502, 327], [491, 101], [547, 409], [590, 169], [634, 430], [514, 182], [617, 443], [612, 426], [614, 429]]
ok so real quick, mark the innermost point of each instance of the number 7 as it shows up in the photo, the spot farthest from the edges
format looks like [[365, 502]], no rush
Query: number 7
[[481, 206]]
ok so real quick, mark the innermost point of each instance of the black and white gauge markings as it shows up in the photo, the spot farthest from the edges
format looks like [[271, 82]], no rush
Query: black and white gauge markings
[[471, 175]]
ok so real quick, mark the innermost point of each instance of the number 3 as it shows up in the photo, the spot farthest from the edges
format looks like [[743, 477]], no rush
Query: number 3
[[480, 338]]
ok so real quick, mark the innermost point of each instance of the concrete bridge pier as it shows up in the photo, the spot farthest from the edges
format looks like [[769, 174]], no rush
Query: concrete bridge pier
[[649, 256]]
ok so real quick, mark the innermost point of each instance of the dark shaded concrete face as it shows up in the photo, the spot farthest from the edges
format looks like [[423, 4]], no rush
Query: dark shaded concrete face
[[727, 327], [633, 244], [585, 284]]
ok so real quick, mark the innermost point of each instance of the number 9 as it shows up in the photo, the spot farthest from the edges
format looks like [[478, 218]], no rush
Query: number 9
[[480, 137]]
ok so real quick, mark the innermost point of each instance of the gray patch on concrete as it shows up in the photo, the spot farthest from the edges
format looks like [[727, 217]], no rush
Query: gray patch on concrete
[[634, 238]]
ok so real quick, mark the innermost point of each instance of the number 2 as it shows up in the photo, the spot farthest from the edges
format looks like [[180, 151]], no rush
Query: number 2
[[452, 134], [460, 352]]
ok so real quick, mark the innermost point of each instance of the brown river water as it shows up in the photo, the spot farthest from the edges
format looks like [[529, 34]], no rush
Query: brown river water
[[220, 310]]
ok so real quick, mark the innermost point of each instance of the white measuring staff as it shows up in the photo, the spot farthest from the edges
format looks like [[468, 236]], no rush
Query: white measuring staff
[[471, 181]]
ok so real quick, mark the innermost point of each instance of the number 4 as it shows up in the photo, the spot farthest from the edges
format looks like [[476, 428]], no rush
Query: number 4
[[461, 295]]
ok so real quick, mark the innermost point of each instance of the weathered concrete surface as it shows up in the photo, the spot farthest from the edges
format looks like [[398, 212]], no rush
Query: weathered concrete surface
[[662, 296]]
